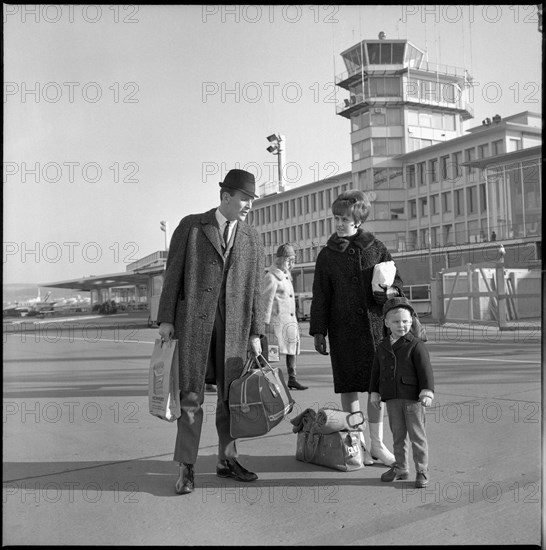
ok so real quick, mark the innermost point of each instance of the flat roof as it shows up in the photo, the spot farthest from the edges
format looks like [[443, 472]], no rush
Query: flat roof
[[111, 280], [505, 158]]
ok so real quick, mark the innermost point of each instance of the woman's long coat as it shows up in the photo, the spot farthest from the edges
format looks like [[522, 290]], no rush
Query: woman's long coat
[[279, 304], [343, 307], [191, 289]]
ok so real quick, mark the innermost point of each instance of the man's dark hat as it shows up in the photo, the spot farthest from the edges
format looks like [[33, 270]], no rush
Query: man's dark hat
[[399, 301], [240, 180]]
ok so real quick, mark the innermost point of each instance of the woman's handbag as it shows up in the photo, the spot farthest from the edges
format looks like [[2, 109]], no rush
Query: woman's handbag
[[258, 400], [163, 390]]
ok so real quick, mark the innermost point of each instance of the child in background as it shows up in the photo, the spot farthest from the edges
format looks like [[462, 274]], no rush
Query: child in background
[[402, 376]]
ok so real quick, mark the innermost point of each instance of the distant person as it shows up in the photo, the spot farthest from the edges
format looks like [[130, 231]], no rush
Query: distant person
[[349, 313], [493, 236], [402, 376], [279, 305], [211, 303]]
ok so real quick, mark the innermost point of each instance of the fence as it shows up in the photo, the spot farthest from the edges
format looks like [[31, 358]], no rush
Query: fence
[[487, 293]]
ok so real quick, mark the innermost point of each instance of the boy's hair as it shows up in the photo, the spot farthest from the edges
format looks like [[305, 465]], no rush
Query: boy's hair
[[354, 202]]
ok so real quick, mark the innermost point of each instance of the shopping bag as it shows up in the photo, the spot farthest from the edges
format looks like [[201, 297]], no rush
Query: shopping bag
[[163, 390], [258, 400], [273, 353], [337, 450], [383, 276]]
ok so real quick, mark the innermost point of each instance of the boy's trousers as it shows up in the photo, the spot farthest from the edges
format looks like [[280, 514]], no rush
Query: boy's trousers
[[407, 417]]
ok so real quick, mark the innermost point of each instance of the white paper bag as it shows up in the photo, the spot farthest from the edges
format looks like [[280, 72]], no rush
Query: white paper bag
[[273, 353], [163, 390], [383, 274]]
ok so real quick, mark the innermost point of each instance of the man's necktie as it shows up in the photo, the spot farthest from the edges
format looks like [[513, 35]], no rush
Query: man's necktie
[[226, 235]]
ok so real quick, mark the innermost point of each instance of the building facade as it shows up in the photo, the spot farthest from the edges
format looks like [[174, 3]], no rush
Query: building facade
[[398, 103], [439, 195]]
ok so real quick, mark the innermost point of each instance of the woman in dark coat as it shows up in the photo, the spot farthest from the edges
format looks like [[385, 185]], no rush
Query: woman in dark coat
[[349, 313]]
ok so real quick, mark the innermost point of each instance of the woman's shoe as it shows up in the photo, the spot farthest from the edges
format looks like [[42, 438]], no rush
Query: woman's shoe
[[295, 385], [366, 456], [377, 447]]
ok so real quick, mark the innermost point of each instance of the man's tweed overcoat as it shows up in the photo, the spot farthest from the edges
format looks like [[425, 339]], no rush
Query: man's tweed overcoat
[[191, 288], [343, 307]]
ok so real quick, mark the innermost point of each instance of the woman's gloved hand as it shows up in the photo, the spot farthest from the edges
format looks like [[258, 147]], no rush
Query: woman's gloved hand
[[320, 344], [387, 293]]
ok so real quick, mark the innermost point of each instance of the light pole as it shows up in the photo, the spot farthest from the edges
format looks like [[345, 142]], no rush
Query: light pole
[[164, 227], [277, 148]]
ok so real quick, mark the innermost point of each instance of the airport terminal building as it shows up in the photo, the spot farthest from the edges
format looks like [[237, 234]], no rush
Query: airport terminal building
[[440, 196]]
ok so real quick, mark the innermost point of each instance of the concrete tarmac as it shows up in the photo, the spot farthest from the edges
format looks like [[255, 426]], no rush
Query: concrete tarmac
[[84, 463]]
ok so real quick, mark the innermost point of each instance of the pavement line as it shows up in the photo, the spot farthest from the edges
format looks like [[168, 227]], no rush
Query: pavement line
[[55, 320], [489, 359], [70, 470], [122, 341]]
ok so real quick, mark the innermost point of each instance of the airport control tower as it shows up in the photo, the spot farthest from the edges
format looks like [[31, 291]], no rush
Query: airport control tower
[[397, 103]]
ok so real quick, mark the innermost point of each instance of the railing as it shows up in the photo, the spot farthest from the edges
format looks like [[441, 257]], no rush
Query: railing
[[448, 70], [151, 258], [504, 232], [359, 99], [443, 69]]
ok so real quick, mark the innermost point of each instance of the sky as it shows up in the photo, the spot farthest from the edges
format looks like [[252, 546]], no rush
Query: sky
[[117, 117]]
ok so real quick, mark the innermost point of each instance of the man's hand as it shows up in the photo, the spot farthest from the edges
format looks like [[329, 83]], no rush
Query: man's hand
[[255, 345], [166, 331], [320, 344]]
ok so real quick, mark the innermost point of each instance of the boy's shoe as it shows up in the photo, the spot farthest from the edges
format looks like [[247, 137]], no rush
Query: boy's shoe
[[421, 480], [391, 475]]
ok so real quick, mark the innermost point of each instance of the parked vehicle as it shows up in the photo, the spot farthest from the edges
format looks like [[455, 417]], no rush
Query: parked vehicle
[[303, 306]]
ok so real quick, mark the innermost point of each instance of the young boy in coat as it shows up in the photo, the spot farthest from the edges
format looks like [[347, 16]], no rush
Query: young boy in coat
[[402, 376]]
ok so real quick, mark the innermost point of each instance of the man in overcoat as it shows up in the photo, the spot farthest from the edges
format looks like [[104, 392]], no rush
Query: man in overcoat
[[211, 303]]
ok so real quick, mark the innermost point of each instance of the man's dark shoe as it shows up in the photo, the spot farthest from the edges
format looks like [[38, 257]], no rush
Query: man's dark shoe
[[391, 475], [295, 385], [421, 480], [231, 468], [185, 484]]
